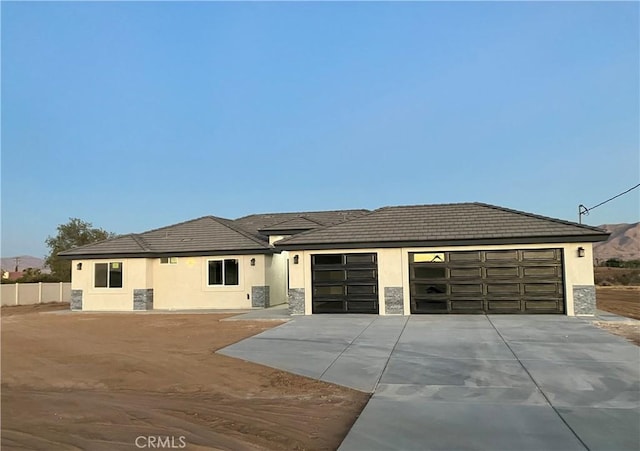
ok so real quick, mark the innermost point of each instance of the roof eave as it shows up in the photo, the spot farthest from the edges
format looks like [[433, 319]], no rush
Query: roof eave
[[436, 243], [270, 232], [169, 254]]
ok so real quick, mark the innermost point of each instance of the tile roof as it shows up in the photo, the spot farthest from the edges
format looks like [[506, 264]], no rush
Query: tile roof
[[465, 222], [298, 223], [254, 223], [208, 233], [388, 226]]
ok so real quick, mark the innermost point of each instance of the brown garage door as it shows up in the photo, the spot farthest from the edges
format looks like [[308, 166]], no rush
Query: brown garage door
[[500, 281], [345, 283]]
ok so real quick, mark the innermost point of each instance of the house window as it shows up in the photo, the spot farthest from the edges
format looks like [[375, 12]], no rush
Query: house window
[[108, 275], [223, 272], [168, 260]]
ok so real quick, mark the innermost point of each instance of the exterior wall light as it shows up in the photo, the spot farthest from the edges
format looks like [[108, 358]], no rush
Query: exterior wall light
[[581, 251], [296, 258], [79, 266], [253, 262]]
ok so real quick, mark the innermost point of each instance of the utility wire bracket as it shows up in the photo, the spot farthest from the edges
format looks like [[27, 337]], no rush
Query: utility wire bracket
[[582, 210]]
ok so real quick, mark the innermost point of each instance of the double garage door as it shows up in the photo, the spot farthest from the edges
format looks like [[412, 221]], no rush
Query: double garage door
[[504, 281], [500, 281]]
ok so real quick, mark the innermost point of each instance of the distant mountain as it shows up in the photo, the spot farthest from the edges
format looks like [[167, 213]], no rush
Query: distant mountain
[[624, 242], [24, 262]]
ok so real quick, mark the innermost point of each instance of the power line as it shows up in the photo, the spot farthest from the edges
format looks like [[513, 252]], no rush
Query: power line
[[582, 210]]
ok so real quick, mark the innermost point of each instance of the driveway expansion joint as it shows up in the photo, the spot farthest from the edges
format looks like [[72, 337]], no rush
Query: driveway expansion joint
[[345, 349], [537, 386]]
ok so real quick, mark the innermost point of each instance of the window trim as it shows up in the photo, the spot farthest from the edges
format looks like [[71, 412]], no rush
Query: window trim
[[224, 272]]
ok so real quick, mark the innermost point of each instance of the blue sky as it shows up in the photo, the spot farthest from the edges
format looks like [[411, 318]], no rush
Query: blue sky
[[134, 116]]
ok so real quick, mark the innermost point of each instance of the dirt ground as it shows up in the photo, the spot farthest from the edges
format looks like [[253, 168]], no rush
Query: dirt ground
[[629, 331], [623, 301], [101, 381]]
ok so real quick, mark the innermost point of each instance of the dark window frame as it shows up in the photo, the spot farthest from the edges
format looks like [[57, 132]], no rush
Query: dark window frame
[[111, 275], [227, 277]]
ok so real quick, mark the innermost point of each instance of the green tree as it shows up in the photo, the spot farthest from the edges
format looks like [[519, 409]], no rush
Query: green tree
[[32, 275], [74, 233], [613, 263]]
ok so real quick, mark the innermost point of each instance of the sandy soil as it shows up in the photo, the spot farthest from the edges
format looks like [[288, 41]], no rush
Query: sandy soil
[[624, 301], [99, 381], [629, 331]]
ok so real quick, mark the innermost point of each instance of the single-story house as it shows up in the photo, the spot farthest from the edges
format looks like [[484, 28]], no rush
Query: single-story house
[[451, 258]]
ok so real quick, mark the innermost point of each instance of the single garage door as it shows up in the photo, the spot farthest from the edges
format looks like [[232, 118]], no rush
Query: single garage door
[[500, 281], [344, 283]]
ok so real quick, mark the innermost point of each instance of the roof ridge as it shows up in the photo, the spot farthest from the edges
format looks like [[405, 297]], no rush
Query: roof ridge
[[533, 215], [141, 242], [300, 212], [178, 224], [239, 230], [96, 242], [309, 219], [275, 226], [324, 227], [387, 207]]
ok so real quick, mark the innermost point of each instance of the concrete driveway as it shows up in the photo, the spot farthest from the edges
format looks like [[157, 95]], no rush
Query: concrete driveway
[[468, 382]]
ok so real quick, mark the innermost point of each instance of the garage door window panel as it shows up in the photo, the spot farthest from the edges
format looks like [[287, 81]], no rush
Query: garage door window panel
[[543, 255], [431, 306], [329, 276], [359, 259], [504, 305], [476, 305], [466, 289], [538, 288], [329, 259], [426, 272], [503, 288], [464, 257], [493, 256], [541, 271], [359, 274], [321, 306], [465, 273], [335, 290], [361, 289], [361, 306], [422, 289], [541, 305], [503, 272]]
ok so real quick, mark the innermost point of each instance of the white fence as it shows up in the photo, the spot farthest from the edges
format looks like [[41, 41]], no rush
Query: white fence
[[35, 293]]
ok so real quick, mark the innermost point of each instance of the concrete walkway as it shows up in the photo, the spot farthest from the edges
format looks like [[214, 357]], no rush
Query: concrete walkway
[[468, 382]]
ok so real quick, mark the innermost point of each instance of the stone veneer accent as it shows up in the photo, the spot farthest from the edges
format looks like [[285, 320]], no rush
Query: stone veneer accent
[[76, 299], [260, 297], [584, 299], [393, 301], [296, 301], [143, 299]]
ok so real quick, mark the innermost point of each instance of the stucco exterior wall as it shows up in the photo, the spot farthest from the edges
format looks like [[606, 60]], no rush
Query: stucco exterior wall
[[175, 286], [276, 277], [134, 276], [184, 285], [393, 269]]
